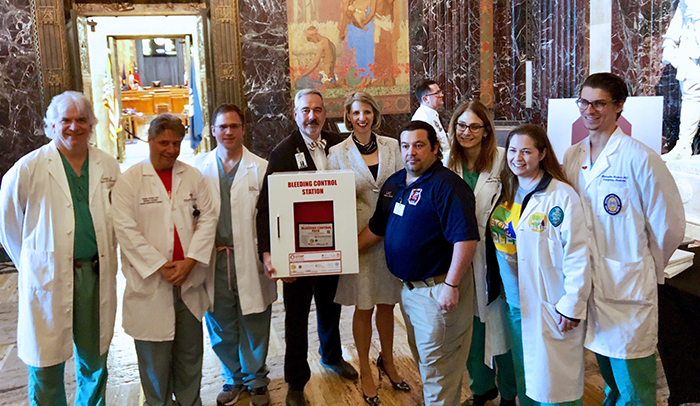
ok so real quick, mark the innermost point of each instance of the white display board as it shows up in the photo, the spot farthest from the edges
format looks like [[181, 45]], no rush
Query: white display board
[[642, 118], [313, 223]]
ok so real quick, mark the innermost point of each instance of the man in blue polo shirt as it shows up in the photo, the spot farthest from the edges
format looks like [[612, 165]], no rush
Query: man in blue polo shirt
[[426, 215]]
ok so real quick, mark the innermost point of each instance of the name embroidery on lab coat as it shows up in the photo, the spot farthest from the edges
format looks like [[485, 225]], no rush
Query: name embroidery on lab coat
[[150, 200], [612, 204], [537, 222]]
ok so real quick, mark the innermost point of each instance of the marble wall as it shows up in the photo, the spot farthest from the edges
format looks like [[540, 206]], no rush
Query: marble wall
[[21, 125], [637, 31]]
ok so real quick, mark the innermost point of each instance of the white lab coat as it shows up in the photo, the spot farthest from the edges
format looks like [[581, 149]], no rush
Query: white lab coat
[[486, 192], [144, 217], [432, 117], [37, 224], [554, 274], [255, 291], [634, 245]]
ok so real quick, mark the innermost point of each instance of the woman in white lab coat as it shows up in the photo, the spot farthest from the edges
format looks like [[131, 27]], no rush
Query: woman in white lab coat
[[475, 157], [541, 240]]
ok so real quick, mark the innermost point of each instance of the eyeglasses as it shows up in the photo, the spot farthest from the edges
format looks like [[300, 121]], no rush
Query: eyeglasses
[[598, 105], [234, 126], [438, 93], [461, 127]]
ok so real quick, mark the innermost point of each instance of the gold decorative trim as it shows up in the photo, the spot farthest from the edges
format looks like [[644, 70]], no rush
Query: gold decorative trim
[[224, 14], [53, 77], [130, 9], [227, 71], [48, 15]]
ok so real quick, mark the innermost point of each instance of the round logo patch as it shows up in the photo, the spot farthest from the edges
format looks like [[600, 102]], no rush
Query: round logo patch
[[556, 216], [612, 204], [538, 222]]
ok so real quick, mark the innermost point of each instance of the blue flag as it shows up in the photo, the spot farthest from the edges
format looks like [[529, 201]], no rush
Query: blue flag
[[196, 123]]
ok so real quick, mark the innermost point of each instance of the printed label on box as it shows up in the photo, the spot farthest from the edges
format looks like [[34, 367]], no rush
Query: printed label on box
[[318, 235], [318, 262]]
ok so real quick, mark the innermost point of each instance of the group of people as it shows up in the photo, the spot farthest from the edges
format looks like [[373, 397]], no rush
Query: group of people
[[500, 258]]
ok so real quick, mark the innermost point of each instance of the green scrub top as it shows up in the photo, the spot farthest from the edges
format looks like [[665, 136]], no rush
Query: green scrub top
[[224, 233], [470, 177], [84, 242]]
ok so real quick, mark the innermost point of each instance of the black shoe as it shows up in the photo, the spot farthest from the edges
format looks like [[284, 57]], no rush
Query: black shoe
[[480, 400], [342, 368], [371, 401], [505, 402], [402, 386], [295, 398]]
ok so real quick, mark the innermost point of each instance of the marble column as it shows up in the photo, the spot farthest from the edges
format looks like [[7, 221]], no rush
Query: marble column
[[21, 125]]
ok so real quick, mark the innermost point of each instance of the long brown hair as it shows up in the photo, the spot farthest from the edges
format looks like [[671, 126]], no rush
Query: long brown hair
[[549, 163], [488, 152]]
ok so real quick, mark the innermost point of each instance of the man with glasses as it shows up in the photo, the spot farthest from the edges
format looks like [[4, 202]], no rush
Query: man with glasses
[[636, 218], [239, 323], [56, 226], [432, 99], [304, 150]]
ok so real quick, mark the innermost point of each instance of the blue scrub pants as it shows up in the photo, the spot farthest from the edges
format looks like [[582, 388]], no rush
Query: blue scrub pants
[[46, 386], [515, 327], [628, 381], [482, 378], [170, 368], [241, 342]]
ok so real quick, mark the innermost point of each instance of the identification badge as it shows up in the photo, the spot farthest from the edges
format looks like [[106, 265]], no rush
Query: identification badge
[[398, 209], [301, 160]]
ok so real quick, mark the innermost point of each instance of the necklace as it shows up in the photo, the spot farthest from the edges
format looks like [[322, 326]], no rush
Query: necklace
[[366, 149]]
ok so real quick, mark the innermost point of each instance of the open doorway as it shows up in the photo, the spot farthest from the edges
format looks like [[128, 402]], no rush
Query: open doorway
[[142, 66]]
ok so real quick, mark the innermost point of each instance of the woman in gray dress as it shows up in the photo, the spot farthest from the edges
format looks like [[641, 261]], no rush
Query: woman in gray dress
[[373, 158]]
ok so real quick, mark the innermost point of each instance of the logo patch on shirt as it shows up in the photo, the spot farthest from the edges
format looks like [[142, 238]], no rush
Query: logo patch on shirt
[[537, 222], [612, 204], [556, 216], [415, 197]]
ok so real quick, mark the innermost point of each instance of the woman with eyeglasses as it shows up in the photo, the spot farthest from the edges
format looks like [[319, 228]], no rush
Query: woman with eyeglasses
[[541, 244], [374, 159], [475, 157]]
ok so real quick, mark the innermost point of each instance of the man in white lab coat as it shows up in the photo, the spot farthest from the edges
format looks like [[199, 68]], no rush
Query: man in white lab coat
[[431, 100], [241, 294], [638, 221], [165, 222], [57, 229], [682, 50]]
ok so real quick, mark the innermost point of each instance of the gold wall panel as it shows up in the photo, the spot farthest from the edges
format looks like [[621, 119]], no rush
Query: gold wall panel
[[226, 51], [52, 47]]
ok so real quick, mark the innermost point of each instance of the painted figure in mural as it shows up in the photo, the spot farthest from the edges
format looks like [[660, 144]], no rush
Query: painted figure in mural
[[56, 226], [632, 203], [385, 42], [682, 50], [357, 25], [321, 71], [239, 323]]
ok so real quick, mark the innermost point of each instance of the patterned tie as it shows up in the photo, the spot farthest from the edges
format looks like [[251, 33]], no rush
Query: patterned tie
[[319, 143]]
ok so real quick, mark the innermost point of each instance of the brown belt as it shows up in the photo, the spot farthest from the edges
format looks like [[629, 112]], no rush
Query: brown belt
[[426, 283]]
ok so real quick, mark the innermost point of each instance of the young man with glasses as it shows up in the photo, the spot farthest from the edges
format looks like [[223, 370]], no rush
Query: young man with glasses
[[432, 99], [636, 218], [242, 296]]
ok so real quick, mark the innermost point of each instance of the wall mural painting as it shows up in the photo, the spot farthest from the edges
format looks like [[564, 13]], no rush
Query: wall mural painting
[[338, 46]]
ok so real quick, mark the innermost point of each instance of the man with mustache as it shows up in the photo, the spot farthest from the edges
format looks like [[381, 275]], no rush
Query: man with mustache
[[304, 150]]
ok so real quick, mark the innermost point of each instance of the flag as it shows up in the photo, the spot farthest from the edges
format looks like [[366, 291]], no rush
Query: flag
[[195, 110], [109, 101]]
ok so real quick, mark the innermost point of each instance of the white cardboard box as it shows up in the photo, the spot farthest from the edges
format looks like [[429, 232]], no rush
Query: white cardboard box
[[313, 223]]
